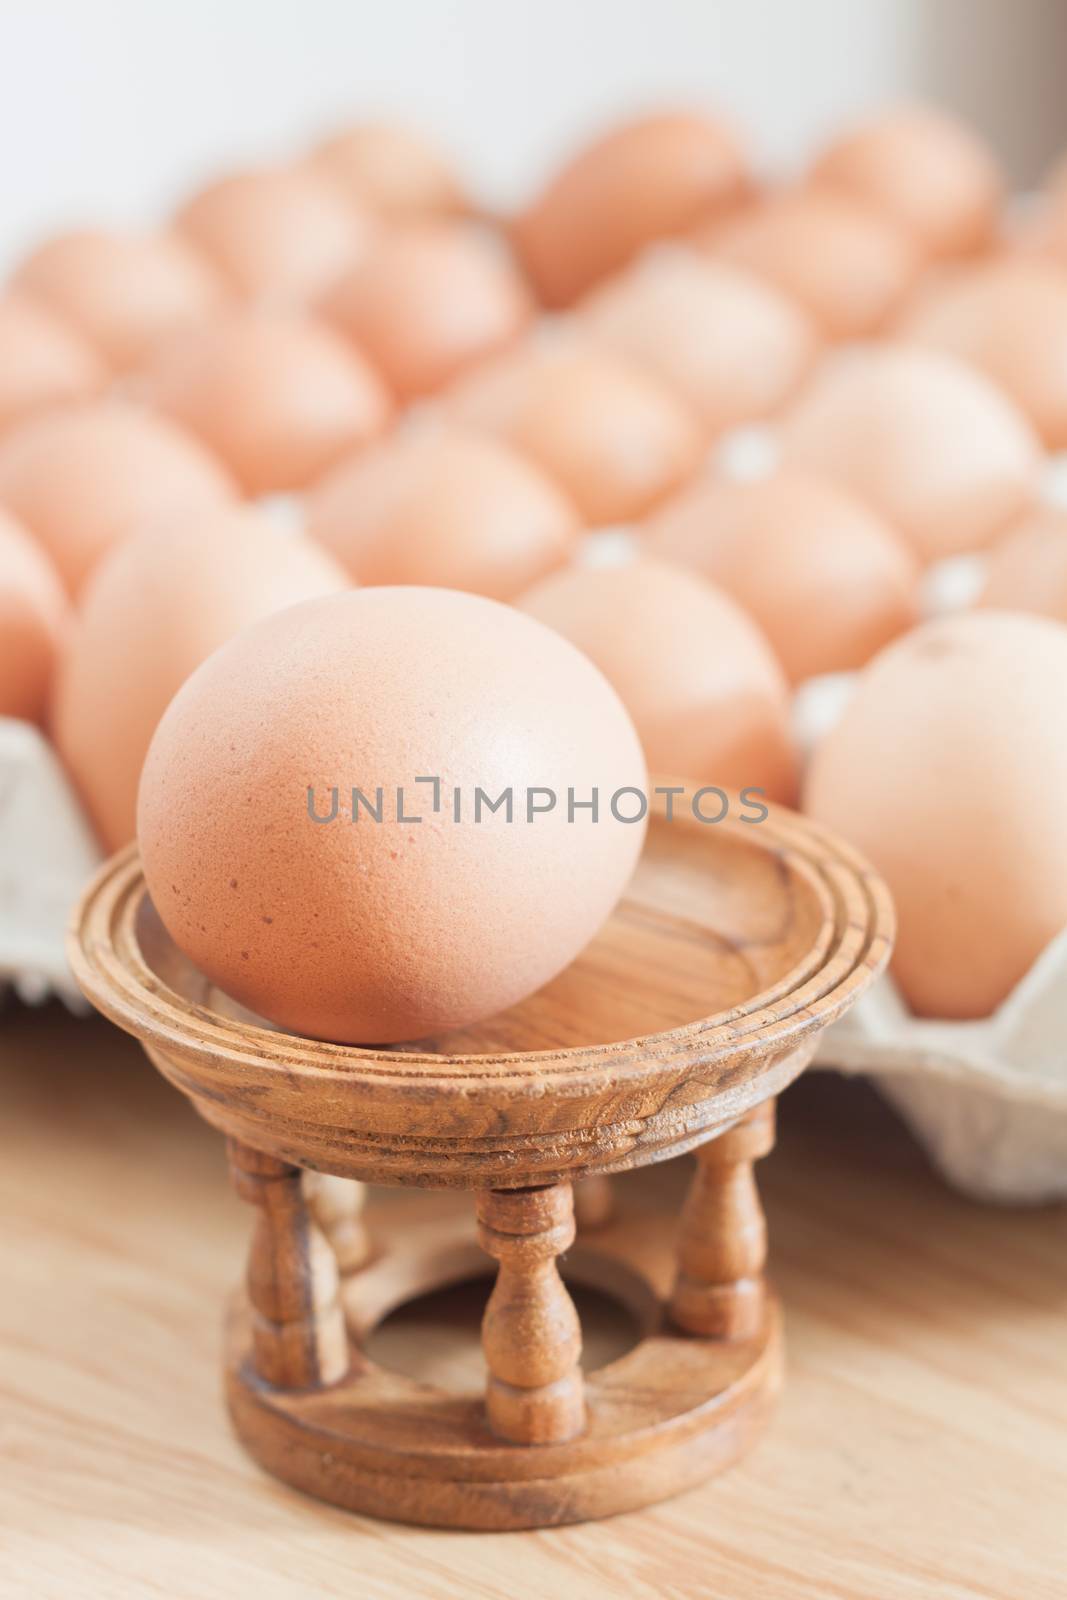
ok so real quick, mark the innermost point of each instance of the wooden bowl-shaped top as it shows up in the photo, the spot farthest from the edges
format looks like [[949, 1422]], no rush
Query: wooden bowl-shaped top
[[703, 994]]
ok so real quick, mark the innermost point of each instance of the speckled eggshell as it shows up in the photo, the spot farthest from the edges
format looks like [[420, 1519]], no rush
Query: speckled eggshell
[[83, 478], [931, 443], [826, 579], [427, 301], [276, 394], [700, 681], [124, 291], [282, 234], [848, 264], [369, 932], [925, 169], [444, 506], [34, 614], [42, 361], [610, 433], [729, 344], [948, 769], [647, 180], [1027, 569], [1009, 319], [154, 610], [393, 169]]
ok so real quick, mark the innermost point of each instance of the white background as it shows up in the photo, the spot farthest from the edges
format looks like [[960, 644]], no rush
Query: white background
[[111, 109]]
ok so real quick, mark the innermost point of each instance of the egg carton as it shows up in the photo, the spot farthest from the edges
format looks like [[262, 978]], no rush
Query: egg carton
[[987, 1099], [47, 852]]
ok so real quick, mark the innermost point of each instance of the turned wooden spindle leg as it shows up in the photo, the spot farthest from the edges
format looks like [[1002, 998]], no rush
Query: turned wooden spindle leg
[[337, 1206], [298, 1330], [594, 1202], [530, 1332], [719, 1288]]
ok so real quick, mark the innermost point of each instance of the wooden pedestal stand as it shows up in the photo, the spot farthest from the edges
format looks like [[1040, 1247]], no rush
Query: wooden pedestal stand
[[699, 1001]]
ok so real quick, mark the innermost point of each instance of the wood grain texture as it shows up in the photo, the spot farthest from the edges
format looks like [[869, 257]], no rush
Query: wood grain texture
[[719, 1289], [294, 1287], [808, 925], [337, 1206], [918, 1448], [733, 947], [531, 1335], [553, 1445]]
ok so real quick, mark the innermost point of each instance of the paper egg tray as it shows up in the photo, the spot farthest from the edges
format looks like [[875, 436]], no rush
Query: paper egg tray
[[46, 853], [988, 1099]]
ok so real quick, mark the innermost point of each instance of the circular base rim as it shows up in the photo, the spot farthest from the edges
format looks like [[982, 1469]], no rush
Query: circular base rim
[[441, 1467]]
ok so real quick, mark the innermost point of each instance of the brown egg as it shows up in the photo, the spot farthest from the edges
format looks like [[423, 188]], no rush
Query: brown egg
[[83, 478], [945, 457], [427, 301], [822, 574], [949, 770], [366, 931], [278, 233], [700, 681], [927, 171], [1009, 319], [393, 170], [847, 263], [42, 361], [34, 614], [644, 181], [444, 507], [155, 608], [123, 291], [1027, 569], [278, 395], [730, 345], [613, 436]]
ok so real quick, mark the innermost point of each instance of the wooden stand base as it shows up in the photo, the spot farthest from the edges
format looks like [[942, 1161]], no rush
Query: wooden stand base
[[663, 1417], [698, 1002]]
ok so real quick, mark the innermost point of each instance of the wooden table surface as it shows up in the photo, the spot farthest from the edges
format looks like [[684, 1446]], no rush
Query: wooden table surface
[[920, 1449]]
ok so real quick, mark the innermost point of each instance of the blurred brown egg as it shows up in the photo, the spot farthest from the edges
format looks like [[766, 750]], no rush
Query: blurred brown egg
[[123, 291], [34, 614], [707, 696], [932, 444], [393, 170], [444, 507], [732, 346], [611, 434], [83, 478], [42, 361], [822, 574], [948, 769], [1027, 569], [427, 301], [647, 180], [278, 233], [156, 608], [925, 169], [1008, 318], [848, 264], [278, 395], [386, 931]]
